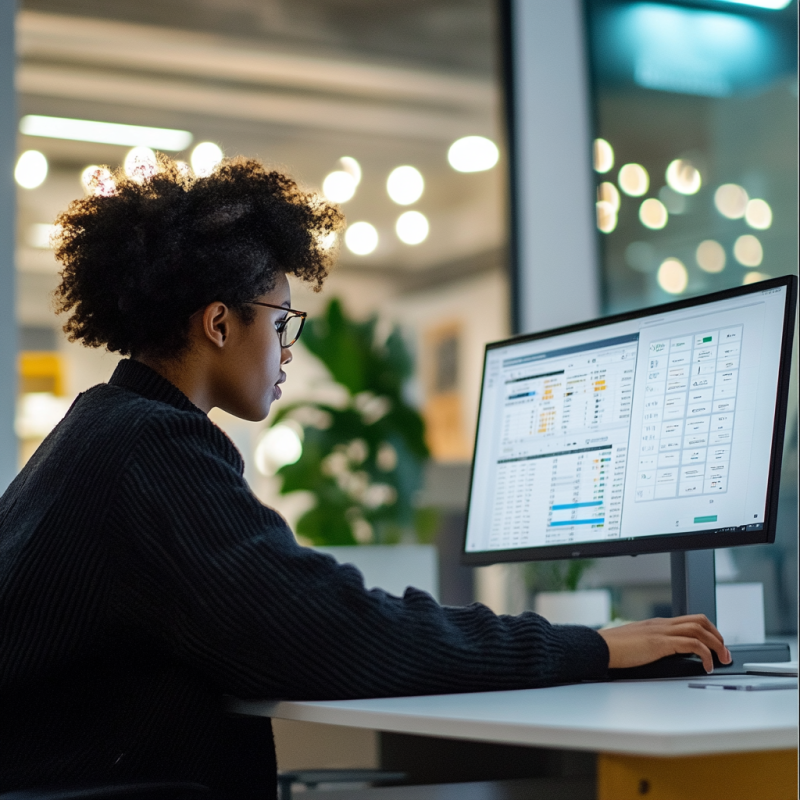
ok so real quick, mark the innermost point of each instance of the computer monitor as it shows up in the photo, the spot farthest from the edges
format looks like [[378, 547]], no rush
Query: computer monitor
[[653, 431]]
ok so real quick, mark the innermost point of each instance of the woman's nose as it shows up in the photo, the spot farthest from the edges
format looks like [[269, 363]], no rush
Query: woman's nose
[[286, 355]]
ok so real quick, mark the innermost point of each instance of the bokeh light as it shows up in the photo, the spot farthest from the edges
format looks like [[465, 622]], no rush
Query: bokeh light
[[205, 158], [710, 256], [675, 202], [758, 214], [339, 186], [31, 169], [98, 181], [606, 216], [278, 446], [731, 200], [754, 277], [473, 154], [672, 276], [140, 164], [361, 238], [405, 185], [608, 193], [634, 180], [603, 156], [351, 167], [748, 250], [412, 227], [683, 177], [653, 214]]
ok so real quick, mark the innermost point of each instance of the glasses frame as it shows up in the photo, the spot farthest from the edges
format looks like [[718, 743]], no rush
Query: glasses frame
[[284, 322]]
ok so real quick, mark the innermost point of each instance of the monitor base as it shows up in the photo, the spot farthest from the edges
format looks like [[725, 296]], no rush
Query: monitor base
[[687, 666]]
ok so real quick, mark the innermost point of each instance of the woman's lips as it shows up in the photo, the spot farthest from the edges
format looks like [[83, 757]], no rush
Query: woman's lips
[[278, 392]]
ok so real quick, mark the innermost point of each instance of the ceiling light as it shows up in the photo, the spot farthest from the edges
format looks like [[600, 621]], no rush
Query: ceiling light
[[634, 180], [405, 185], [85, 130], [603, 155], [758, 214], [98, 180], [710, 256], [606, 216], [140, 164], [361, 238], [672, 276], [748, 251], [352, 167], [608, 193], [683, 176], [412, 227], [731, 200], [473, 154], [31, 169], [339, 186], [653, 214], [205, 158], [754, 277]]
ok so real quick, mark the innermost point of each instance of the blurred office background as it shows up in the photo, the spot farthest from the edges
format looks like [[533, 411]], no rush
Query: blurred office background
[[693, 110]]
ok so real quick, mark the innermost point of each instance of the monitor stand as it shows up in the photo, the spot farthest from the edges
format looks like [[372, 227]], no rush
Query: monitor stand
[[694, 591]]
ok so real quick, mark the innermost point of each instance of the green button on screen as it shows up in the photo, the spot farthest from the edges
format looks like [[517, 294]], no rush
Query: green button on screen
[[706, 519], [706, 339]]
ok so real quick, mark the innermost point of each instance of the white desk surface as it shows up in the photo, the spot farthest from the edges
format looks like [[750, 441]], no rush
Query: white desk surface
[[664, 718]]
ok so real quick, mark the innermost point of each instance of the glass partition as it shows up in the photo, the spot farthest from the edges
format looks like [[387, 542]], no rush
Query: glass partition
[[695, 113]]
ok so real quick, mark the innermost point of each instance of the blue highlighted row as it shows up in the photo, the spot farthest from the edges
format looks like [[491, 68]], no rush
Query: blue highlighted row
[[597, 521], [564, 506], [521, 394]]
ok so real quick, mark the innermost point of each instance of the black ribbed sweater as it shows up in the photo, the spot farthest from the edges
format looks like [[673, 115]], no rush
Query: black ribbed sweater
[[141, 581]]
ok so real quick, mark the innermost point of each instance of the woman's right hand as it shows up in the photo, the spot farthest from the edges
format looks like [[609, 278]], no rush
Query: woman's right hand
[[640, 643]]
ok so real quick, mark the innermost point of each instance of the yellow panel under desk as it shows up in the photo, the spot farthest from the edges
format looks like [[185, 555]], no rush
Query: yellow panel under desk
[[767, 775]]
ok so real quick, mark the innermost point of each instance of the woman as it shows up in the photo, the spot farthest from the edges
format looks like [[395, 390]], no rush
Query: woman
[[140, 578]]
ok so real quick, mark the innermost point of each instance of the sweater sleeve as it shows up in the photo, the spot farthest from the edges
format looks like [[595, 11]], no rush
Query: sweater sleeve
[[217, 579]]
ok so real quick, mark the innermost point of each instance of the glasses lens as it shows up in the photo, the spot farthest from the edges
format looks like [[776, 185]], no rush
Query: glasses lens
[[291, 330]]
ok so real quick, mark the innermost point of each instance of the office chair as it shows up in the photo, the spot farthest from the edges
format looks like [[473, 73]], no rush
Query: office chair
[[117, 791]]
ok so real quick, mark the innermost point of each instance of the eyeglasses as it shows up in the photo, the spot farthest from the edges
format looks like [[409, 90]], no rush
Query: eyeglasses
[[290, 327]]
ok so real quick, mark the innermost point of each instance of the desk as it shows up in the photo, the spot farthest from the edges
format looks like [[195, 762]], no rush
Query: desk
[[637, 718]]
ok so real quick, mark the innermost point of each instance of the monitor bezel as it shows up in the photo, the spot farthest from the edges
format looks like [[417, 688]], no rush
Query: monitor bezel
[[667, 542]]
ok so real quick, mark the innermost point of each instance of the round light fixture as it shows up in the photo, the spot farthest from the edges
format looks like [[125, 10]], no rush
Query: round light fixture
[[608, 193], [731, 200], [351, 167], [748, 250], [606, 216], [140, 164], [412, 227], [405, 185], [672, 276], [710, 256], [683, 177], [31, 169], [339, 186], [361, 238], [758, 214], [205, 158], [603, 155], [653, 214], [634, 180], [98, 181]]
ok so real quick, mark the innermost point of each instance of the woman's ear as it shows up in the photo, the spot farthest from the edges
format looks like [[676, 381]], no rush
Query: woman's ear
[[216, 323]]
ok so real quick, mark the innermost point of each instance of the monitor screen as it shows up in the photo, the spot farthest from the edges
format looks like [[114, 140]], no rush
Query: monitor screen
[[646, 432]]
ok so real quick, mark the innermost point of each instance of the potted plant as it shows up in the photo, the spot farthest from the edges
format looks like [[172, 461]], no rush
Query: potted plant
[[363, 458], [556, 596]]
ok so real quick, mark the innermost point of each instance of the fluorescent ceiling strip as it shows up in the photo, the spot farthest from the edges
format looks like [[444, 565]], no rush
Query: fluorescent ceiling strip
[[85, 130]]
